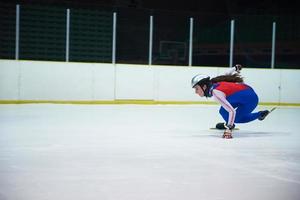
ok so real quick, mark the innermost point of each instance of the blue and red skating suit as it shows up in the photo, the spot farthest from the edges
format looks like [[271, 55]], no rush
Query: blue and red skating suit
[[238, 100], [229, 87]]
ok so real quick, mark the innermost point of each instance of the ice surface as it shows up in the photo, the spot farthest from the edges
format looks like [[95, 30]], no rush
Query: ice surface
[[145, 152]]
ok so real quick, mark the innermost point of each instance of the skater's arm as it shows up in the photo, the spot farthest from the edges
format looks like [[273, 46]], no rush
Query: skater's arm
[[232, 70], [220, 97]]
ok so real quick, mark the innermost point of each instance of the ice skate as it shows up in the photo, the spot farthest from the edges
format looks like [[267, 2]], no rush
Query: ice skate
[[264, 113], [221, 126]]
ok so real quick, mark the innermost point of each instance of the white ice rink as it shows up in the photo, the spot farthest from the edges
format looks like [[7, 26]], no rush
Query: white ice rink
[[145, 152]]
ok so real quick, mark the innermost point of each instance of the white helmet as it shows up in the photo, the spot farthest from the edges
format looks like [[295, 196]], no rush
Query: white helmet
[[199, 79]]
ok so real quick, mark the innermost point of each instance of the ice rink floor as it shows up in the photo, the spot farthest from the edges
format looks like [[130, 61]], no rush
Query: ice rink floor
[[145, 152]]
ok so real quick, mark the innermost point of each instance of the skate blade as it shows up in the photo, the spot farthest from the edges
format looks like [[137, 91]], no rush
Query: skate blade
[[213, 128]]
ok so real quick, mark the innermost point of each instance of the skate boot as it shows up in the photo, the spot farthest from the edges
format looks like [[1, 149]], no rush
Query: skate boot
[[263, 114], [222, 126]]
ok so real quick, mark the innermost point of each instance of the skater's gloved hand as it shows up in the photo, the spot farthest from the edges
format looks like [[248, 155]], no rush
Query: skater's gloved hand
[[238, 67], [227, 134], [227, 126]]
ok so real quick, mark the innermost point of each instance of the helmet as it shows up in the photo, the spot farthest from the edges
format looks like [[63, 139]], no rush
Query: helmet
[[199, 79]]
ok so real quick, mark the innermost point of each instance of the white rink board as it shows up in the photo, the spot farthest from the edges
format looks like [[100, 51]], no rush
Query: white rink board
[[67, 81], [9, 80]]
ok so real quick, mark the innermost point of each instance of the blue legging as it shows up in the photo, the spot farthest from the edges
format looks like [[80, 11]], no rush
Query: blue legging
[[244, 102]]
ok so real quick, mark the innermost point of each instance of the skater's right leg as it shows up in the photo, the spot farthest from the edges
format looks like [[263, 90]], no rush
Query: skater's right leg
[[245, 102]]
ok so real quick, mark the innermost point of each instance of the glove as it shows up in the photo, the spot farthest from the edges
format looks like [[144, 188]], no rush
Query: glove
[[238, 68], [227, 134], [230, 127]]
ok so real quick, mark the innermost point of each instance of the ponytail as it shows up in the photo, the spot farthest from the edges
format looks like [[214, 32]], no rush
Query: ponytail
[[236, 78]]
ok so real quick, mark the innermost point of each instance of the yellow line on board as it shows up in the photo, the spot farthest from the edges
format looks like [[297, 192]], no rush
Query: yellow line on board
[[141, 102]]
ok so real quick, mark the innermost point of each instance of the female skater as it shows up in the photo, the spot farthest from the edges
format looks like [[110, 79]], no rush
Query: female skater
[[237, 99]]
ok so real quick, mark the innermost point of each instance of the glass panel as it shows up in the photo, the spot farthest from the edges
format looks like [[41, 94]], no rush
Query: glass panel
[[91, 35], [7, 30], [211, 40], [42, 32], [170, 38], [288, 42], [253, 41], [132, 36]]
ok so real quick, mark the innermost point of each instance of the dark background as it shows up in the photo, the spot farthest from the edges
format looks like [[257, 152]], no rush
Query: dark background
[[42, 31], [228, 7]]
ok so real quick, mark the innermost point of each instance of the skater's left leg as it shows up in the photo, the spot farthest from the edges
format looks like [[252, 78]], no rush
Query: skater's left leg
[[224, 114]]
